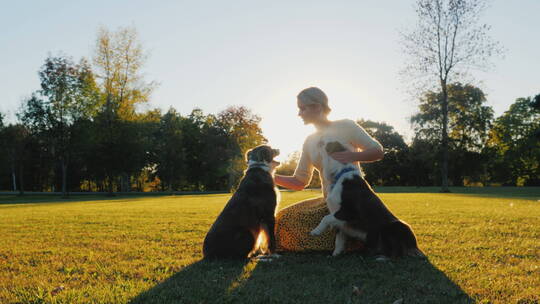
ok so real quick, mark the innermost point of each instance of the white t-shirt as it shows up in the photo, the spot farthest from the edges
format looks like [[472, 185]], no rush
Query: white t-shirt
[[346, 131]]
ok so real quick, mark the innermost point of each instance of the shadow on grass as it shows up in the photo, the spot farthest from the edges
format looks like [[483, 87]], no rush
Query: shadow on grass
[[56, 199], [40, 198], [502, 192], [201, 282], [308, 278]]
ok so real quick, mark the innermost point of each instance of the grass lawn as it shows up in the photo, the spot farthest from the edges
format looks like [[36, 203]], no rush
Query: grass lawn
[[483, 245]]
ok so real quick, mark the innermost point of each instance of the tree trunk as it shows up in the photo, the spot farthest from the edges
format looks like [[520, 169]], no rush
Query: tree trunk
[[13, 176], [444, 167], [21, 181], [110, 186], [64, 179], [109, 140], [125, 182]]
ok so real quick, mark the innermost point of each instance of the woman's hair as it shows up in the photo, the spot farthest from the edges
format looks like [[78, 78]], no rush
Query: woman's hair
[[314, 95]]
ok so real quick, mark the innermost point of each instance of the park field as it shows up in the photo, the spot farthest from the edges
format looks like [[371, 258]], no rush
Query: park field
[[482, 246]]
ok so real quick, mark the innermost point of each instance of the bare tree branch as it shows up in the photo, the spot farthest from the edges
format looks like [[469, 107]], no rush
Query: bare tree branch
[[447, 43]]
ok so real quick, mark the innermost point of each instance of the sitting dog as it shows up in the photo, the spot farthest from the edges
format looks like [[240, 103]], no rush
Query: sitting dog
[[249, 214], [356, 211]]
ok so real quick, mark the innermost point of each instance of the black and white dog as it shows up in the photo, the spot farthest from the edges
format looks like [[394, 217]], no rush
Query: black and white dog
[[248, 218], [356, 211]]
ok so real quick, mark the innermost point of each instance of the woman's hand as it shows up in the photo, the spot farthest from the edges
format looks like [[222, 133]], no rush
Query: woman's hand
[[345, 157], [289, 182]]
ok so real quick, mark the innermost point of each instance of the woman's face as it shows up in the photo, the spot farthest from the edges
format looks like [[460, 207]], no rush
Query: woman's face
[[309, 113]]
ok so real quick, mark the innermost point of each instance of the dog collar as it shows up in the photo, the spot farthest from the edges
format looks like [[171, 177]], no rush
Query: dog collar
[[340, 174], [253, 164]]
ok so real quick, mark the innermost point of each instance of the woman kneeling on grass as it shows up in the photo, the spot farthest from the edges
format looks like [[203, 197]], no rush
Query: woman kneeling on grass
[[294, 223]]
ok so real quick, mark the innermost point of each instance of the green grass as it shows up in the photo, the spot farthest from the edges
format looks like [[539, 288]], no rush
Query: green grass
[[483, 245]]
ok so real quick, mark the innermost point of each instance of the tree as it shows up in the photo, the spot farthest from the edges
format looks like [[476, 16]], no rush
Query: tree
[[422, 163], [448, 42], [390, 171], [243, 127], [288, 166], [219, 148], [14, 140], [193, 145], [5, 165], [118, 60], [168, 153], [82, 153], [69, 94], [469, 122], [517, 149], [535, 104]]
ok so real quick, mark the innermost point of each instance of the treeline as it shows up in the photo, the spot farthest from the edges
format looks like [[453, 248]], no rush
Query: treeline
[[84, 130], [155, 152], [484, 151], [95, 149]]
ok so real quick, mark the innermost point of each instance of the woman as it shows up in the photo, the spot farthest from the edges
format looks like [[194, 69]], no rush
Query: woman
[[294, 223]]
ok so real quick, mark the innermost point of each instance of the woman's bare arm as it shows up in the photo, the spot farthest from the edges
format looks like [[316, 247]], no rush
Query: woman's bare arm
[[289, 182], [371, 154]]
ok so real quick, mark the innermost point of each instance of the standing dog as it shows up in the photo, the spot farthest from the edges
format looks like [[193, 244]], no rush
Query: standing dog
[[358, 212], [249, 214]]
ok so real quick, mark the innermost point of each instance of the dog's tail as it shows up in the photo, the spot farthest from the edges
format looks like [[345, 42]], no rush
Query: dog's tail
[[397, 239]]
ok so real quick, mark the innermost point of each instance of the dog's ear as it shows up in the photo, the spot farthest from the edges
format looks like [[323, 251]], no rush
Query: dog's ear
[[334, 146], [248, 154]]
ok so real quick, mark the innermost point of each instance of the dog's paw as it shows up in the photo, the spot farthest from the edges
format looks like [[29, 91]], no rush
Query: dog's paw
[[264, 258], [316, 232], [267, 257], [382, 258], [337, 253]]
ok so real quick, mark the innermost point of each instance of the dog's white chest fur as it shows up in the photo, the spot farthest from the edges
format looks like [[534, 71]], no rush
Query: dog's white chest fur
[[278, 198], [333, 200], [331, 172]]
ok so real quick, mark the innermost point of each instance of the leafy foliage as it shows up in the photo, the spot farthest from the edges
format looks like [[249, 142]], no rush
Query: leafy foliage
[[469, 118], [119, 58], [85, 129], [515, 146], [391, 170], [243, 127], [483, 151], [469, 122]]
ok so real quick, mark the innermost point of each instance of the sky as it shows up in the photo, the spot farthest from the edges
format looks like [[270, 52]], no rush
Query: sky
[[260, 54]]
